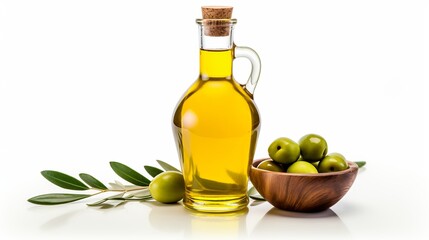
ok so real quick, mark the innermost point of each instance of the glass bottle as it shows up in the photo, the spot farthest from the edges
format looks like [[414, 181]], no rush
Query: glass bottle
[[216, 123]]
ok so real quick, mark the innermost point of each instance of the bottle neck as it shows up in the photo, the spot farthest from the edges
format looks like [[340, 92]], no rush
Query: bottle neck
[[216, 48], [216, 64]]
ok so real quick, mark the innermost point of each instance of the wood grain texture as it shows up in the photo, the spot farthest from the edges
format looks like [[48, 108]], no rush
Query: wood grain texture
[[302, 192]]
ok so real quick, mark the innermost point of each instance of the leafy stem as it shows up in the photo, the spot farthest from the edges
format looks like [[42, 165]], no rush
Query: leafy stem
[[138, 191]]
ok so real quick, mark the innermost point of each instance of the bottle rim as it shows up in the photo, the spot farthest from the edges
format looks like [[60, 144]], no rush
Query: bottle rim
[[212, 22]]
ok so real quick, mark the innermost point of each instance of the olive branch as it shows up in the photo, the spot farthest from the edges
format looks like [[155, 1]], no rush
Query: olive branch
[[138, 191]]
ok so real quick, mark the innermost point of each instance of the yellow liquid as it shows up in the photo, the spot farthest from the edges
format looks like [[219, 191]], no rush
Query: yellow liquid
[[216, 125]]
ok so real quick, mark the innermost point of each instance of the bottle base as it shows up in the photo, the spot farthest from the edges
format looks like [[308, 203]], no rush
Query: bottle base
[[216, 205]]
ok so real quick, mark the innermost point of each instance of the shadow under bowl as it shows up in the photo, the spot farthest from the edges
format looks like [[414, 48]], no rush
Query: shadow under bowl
[[302, 192]]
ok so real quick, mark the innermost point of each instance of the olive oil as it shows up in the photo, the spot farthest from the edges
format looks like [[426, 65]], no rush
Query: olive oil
[[216, 126]]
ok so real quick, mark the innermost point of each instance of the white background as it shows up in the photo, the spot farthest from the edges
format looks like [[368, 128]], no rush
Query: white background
[[86, 82]]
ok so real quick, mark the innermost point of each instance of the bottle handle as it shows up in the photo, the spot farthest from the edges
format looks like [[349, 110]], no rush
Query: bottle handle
[[256, 66]]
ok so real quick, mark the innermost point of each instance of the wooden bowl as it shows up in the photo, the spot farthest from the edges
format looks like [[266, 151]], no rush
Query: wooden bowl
[[302, 192]]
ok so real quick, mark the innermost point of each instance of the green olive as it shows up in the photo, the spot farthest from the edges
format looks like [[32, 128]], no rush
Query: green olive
[[284, 150], [313, 147], [270, 165], [167, 187], [338, 155], [301, 167], [333, 162]]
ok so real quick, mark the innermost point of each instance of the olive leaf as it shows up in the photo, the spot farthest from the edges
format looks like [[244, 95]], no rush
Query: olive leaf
[[211, 185], [92, 181], [138, 196], [360, 163], [131, 198], [166, 166], [57, 198], [129, 174], [64, 180], [97, 203], [254, 194], [153, 171], [142, 194], [117, 186], [237, 178]]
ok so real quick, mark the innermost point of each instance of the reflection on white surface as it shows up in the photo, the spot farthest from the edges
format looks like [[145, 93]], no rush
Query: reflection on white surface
[[277, 222], [195, 225], [167, 217], [218, 226], [149, 219], [59, 220]]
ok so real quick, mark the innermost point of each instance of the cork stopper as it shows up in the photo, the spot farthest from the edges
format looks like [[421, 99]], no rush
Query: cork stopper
[[216, 20], [216, 12]]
